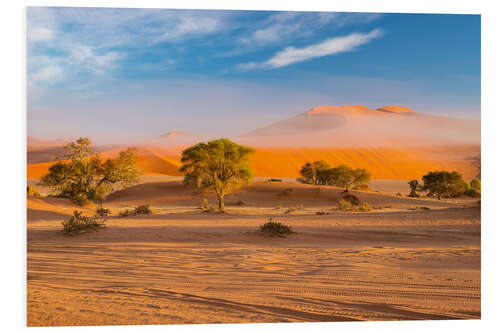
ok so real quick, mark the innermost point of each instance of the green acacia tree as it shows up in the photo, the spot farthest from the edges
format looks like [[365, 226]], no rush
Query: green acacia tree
[[218, 164], [441, 183], [346, 177], [314, 173], [81, 175]]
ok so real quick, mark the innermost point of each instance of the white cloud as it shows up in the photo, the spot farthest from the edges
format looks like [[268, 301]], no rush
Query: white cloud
[[49, 74], [283, 26], [291, 55], [40, 34], [189, 26]]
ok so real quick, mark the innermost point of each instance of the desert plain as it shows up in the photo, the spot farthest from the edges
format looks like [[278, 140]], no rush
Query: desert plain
[[407, 259]]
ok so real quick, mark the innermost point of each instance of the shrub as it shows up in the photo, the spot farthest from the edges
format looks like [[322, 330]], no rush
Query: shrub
[[472, 193], [365, 207], [398, 194], [293, 209], [275, 228], [207, 207], [143, 209], [126, 212], [79, 223], [33, 191], [321, 212], [102, 212], [240, 203], [352, 199], [362, 187], [274, 180], [413, 194], [139, 210], [345, 205]]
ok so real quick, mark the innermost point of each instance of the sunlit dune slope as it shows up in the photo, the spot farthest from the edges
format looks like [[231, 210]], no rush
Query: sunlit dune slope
[[382, 163]]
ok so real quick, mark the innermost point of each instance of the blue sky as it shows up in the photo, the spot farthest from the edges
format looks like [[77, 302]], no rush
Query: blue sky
[[118, 74]]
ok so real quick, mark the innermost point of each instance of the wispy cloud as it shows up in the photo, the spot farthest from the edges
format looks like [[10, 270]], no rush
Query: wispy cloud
[[283, 26], [331, 46]]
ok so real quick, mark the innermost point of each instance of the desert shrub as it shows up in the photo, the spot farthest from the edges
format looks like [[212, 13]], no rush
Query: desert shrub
[[413, 194], [398, 194], [78, 223], [139, 210], [240, 203], [275, 228], [126, 212], [352, 199], [274, 180], [207, 207], [419, 208], [475, 184], [102, 211], [345, 205], [321, 212], [365, 207], [143, 210], [32, 191], [472, 193], [362, 187]]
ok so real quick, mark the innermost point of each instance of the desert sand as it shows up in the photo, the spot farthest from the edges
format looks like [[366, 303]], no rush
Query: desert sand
[[181, 265]]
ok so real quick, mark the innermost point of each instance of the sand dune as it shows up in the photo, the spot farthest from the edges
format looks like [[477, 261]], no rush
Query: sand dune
[[184, 266]]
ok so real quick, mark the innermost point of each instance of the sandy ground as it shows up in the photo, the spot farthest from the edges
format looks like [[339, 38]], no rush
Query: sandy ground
[[180, 265]]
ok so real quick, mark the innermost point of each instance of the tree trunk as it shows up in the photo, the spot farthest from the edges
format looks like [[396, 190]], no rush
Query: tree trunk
[[221, 202]]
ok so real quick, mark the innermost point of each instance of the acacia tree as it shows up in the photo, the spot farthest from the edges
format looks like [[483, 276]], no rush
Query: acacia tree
[[218, 164], [314, 173], [346, 177], [441, 183], [81, 175]]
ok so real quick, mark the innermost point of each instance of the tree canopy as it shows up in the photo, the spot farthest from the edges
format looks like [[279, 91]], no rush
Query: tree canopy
[[320, 173], [219, 165], [81, 175], [444, 183]]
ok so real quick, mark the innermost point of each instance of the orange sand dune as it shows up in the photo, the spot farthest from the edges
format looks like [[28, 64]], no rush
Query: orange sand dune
[[382, 163]]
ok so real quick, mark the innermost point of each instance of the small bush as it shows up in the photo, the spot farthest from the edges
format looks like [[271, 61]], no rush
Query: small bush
[[79, 223], [321, 212], [362, 187], [102, 212], [143, 209], [33, 191], [419, 208], [398, 194], [126, 212], [240, 203], [352, 199], [472, 193], [413, 194], [276, 228], [207, 207], [365, 207], [139, 210], [345, 205], [274, 180]]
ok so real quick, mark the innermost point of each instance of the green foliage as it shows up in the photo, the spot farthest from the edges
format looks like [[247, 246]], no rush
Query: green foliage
[[314, 173], [475, 184], [102, 212], [219, 165], [79, 223], [320, 173], [349, 204], [83, 176], [444, 184], [31, 191], [276, 228], [139, 210]]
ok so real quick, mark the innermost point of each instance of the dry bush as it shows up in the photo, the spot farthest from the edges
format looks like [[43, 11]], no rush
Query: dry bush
[[33, 191], [321, 212], [352, 199], [139, 210], [79, 223], [275, 228], [102, 211]]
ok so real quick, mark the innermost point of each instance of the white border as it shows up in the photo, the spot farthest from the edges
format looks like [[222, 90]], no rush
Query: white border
[[13, 142]]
